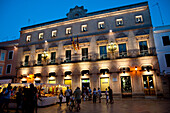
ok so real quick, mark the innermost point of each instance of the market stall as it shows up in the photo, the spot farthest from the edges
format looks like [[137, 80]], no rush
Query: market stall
[[49, 93]]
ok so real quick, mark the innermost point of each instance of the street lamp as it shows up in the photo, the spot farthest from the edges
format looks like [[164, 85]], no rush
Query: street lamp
[[112, 47], [44, 55]]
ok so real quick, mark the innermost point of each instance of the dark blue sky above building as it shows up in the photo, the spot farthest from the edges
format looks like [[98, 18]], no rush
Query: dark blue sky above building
[[15, 14]]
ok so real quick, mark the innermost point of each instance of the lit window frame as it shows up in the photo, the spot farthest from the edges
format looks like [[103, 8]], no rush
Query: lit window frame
[[68, 30], [84, 28], [139, 18], [54, 33], [28, 39], [119, 22], [101, 23], [41, 36]]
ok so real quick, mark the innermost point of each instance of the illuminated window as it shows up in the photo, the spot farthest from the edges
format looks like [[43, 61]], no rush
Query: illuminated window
[[41, 35], [28, 38], [68, 30], [0, 70], [139, 19], [83, 28], [8, 69], [100, 25], [119, 22], [54, 33]]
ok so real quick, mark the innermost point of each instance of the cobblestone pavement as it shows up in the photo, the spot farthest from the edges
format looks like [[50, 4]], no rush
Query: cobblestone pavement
[[119, 106]]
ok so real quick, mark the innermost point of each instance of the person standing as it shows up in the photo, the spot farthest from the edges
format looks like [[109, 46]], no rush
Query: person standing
[[110, 95], [77, 94], [90, 95], [18, 99], [7, 96], [67, 93], [61, 96], [94, 95], [107, 96], [99, 94]]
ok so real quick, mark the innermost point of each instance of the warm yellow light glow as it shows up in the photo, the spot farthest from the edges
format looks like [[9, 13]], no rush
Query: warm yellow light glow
[[51, 78], [23, 79], [110, 31], [37, 79]]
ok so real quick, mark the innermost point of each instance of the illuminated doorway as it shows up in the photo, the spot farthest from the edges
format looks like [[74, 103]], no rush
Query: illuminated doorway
[[149, 89], [85, 83], [126, 86], [67, 82], [104, 83]]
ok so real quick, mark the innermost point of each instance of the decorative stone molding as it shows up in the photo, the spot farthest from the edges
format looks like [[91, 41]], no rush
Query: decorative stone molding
[[76, 12], [121, 40], [142, 37]]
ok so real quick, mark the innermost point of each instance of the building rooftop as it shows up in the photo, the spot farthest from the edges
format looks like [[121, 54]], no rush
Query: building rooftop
[[86, 15]]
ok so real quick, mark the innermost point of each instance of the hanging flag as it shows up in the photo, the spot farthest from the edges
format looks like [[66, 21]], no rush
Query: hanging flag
[[77, 43], [73, 44]]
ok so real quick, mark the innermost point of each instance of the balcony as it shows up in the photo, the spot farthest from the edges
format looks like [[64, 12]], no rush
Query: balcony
[[92, 57], [52, 62]]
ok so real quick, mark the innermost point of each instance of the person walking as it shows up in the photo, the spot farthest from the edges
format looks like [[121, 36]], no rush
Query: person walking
[[110, 95], [18, 99], [107, 96], [77, 94], [7, 96], [99, 95], [2, 102], [94, 95], [90, 95], [67, 93], [61, 96]]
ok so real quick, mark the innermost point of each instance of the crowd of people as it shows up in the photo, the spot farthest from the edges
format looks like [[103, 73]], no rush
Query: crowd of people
[[26, 98]]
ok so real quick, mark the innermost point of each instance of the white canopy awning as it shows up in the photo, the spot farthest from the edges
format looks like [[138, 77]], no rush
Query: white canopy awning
[[5, 81]]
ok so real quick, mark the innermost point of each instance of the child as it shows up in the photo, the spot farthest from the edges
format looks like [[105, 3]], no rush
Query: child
[[107, 96]]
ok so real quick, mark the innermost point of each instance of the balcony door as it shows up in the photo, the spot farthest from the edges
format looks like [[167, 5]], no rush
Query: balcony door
[[143, 48], [103, 52], [149, 88]]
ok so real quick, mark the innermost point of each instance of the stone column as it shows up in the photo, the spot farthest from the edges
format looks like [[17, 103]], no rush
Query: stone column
[[137, 85], [94, 81], [115, 84], [75, 81]]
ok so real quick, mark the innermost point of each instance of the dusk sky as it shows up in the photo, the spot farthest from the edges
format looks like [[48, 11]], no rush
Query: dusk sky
[[15, 14]]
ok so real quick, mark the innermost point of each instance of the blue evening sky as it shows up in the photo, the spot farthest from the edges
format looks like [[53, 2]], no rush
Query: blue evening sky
[[15, 14]]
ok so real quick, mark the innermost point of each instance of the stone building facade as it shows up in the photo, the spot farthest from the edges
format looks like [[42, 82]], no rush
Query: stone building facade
[[162, 43], [8, 61], [113, 47]]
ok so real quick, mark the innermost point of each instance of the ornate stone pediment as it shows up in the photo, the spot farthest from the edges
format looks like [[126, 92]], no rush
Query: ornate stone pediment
[[142, 32], [121, 35], [142, 37], [76, 12]]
